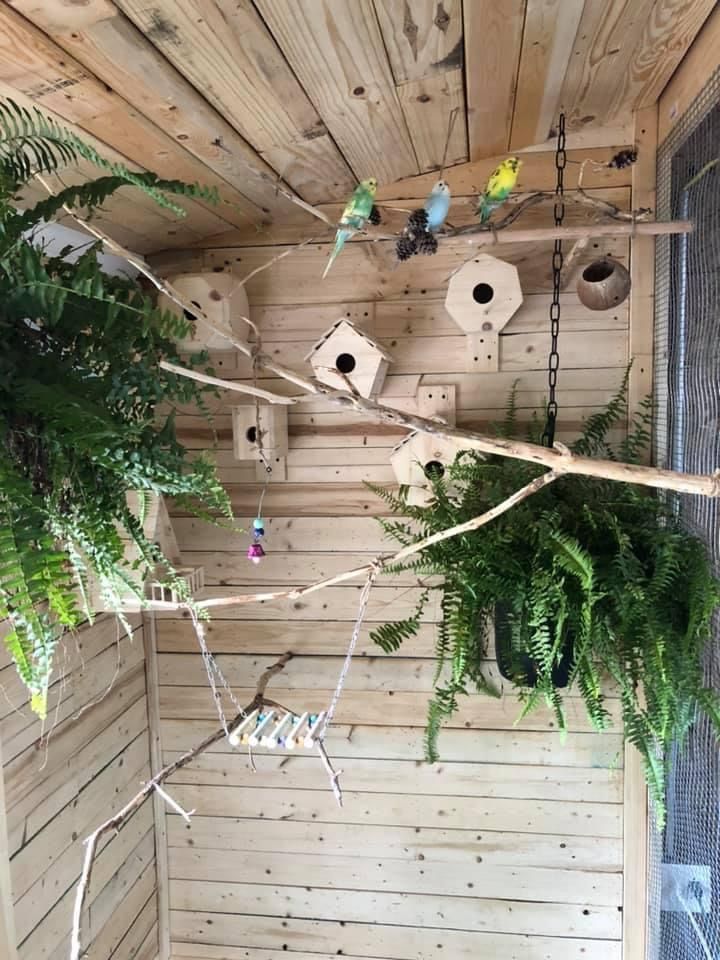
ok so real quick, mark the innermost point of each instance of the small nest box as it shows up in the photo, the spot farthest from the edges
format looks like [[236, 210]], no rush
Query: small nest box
[[217, 295], [418, 458], [482, 296], [346, 349], [272, 420], [158, 528]]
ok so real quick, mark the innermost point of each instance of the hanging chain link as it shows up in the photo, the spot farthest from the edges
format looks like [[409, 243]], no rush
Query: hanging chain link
[[548, 437]]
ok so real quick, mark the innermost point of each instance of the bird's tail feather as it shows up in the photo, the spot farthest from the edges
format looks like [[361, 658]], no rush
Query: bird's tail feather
[[340, 239]]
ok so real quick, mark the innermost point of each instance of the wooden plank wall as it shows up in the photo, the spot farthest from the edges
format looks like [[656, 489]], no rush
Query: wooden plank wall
[[56, 793], [512, 846]]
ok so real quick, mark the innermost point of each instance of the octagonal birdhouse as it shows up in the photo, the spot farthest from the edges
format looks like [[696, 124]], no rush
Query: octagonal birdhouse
[[221, 299], [420, 457], [482, 296], [346, 352]]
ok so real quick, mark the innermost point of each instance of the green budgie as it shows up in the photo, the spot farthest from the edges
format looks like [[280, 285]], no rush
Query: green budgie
[[501, 183], [353, 218]]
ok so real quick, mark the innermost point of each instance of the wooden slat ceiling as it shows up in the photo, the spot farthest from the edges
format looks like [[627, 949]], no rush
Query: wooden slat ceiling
[[320, 93]]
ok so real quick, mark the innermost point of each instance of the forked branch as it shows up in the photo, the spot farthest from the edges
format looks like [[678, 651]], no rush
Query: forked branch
[[119, 819]]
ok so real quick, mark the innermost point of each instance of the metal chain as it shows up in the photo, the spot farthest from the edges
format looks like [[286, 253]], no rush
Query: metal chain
[[548, 437]]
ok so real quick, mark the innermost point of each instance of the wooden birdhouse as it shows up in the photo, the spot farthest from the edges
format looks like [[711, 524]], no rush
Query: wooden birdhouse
[[482, 297], [355, 355], [272, 421], [217, 295], [418, 458]]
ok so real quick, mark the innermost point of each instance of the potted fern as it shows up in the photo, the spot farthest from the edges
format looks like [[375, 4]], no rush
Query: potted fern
[[597, 582], [80, 391]]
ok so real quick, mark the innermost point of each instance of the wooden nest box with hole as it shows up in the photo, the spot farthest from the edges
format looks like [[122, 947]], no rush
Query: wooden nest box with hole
[[220, 298], [361, 361], [482, 296], [420, 456], [272, 420]]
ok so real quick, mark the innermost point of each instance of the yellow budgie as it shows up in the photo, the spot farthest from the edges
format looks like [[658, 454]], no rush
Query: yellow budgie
[[499, 187]]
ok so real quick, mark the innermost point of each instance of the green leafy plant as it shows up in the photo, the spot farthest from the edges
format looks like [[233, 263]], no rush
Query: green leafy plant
[[80, 391], [598, 572]]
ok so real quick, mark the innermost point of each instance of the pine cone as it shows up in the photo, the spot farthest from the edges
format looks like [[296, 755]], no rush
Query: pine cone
[[418, 220], [427, 244], [374, 217], [405, 247], [623, 159]]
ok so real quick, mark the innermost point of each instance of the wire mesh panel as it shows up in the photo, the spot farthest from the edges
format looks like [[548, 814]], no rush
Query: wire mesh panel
[[685, 859]]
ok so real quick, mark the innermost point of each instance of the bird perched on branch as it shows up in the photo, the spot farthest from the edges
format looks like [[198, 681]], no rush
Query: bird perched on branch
[[354, 216], [417, 235], [499, 187], [437, 205]]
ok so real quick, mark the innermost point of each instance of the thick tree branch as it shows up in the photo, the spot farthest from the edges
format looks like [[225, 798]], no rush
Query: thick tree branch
[[118, 820]]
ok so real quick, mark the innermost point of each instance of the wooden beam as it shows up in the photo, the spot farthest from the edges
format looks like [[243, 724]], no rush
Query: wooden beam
[[8, 944], [700, 62], [109, 45], [493, 39], [642, 264], [225, 50], [152, 683], [337, 52], [34, 65], [547, 43]]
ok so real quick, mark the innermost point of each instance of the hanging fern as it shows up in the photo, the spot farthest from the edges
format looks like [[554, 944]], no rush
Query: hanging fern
[[32, 143], [596, 571], [80, 394]]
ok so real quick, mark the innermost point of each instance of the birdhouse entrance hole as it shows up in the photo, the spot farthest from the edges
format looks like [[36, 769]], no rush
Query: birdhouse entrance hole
[[345, 363], [434, 469], [483, 293], [598, 271], [251, 434], [191, 316]]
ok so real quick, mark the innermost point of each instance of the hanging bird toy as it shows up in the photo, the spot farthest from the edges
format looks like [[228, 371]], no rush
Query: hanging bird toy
[[500, 185], [357, 212]]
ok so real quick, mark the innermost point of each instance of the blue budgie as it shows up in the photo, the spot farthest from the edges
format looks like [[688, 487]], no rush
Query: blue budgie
[[437, 205]]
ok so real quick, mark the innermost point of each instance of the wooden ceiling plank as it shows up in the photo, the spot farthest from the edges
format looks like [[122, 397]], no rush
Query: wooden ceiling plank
[[224, 49], [624, 54], [668, 34], [493, 38], [547, 43], [131, 217], [427, 105], [337, 52], [39, 71], [701, 61], [112, 48], [422, 37]]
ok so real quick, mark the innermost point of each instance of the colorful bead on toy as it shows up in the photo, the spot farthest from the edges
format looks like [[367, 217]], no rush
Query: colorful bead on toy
[[259, 527], [255, 552]]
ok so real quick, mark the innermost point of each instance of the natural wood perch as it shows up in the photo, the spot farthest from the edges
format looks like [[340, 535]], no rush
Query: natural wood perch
[[587, 466], [119, 819], [379, 563]]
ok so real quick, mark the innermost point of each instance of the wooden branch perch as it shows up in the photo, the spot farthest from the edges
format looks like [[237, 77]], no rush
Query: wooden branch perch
[[587, 466], [118, 820], [380, 562]]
